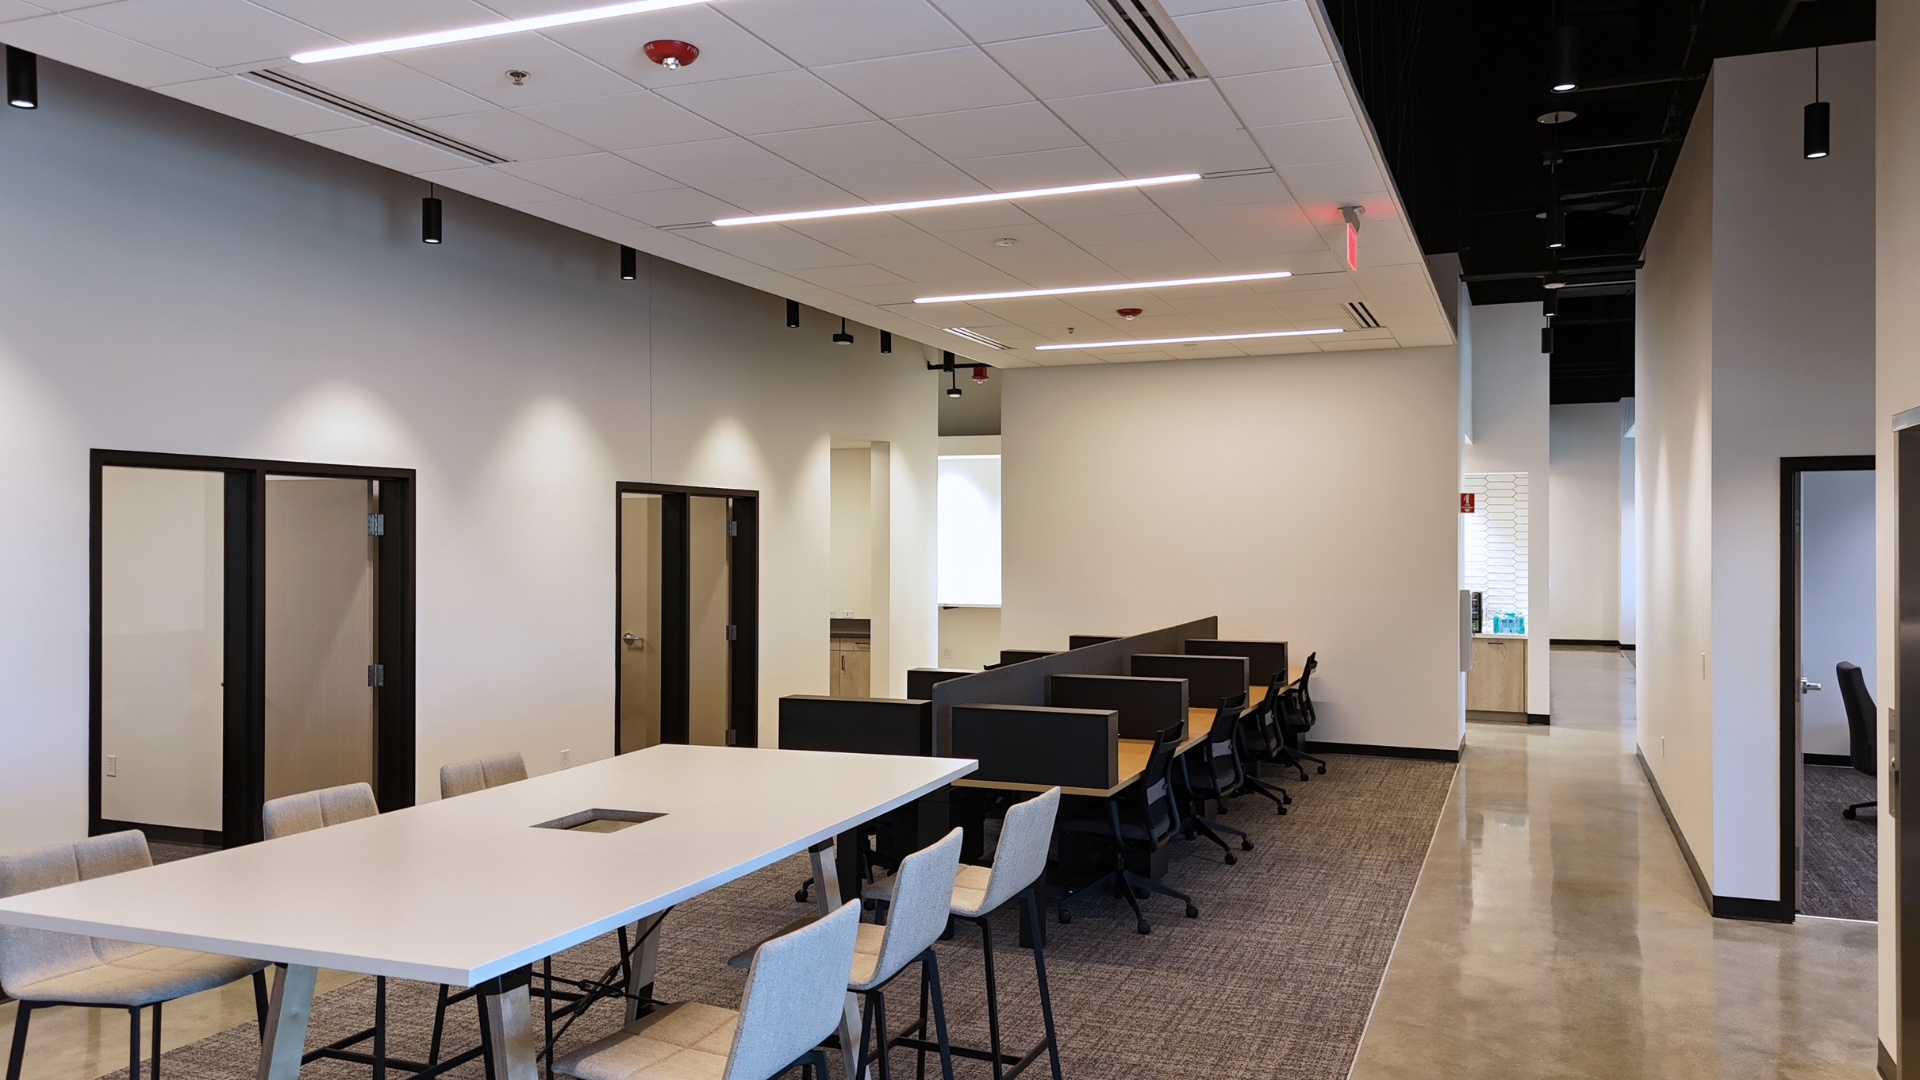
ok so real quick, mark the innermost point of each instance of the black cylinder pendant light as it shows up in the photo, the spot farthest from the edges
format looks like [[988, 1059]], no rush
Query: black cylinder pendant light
[[793, 314], [429, 218], [629, 263], [843, 338], [886, 341], [1566, 60], [23, 79], [1816, 139]]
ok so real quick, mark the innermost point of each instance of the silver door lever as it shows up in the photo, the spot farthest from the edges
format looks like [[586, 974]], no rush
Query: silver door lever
[[631, 640], [1806, 686]]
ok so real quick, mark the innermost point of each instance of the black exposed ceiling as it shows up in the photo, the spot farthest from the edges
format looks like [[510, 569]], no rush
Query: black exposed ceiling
[[1454, 89]]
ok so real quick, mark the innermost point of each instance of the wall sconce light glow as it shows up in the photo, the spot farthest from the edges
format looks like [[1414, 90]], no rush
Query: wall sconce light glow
[[1121, 286], [1184, 340], [957, 200], [487, 30]]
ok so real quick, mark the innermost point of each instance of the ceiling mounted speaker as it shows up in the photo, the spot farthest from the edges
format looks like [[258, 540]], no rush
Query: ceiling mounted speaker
[[672, 55]]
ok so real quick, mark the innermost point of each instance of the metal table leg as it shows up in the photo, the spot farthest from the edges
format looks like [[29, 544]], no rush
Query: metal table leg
[[826, 880], [509, 1007], [646, 961], [285, 1039]]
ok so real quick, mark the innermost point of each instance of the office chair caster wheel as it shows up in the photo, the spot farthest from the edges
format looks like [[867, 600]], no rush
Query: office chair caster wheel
[[1322, 770], [1065, 916], [800, 897], [1246, 845], [1230, 859], [1144, 927], [1192, 912], [1850, 814], [1140, 894]]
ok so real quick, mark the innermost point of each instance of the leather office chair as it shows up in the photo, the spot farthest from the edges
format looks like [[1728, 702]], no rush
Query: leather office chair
[[1297, 718], [916, 918], [42, 968], [291, 815], [1217, 775], [978, 892], [793, 1001], [1151, 817], [466, 777], [1861, 715], [1261, 740]]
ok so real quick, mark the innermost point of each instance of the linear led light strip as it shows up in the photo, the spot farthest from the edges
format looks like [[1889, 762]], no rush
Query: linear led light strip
[[1121, 286], [957, 200], [1184, 340], [487, 30]]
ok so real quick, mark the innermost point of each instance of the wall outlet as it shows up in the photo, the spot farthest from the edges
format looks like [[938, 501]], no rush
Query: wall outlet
[[113, 765], [946, 655], [566, 759]]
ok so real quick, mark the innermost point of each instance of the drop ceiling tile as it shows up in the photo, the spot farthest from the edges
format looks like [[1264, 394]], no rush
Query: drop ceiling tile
[[780, 196], [257, 103], [1178, 8], [820, 32], [712, 162], [509, 135], [383, 146], [1157, 111], [944, 81], [846, 277], [1287, 97], [389, 86], [674, 206], [589, 176], [849, 147], [11, 10], [899, 250], [493, 185], [625, 121], [1353, 343], [1259, 251], [1090, 61], [678, 248], [1258, 37], [885, 295], [60, 38], [217, 33], [1042, 269], [1244, 302], [1313, 141], [726, 50], [757, 104], [1041, 168], [1157, 257], [1339, 181], [575, 214], [959, 274], [772, 247], [1119, 230], [933, 180], [997, 20], [1204, 151], [553, 73], [1279, 222], [1099, 204], [992, 215], [1414, 337], [1005, 129], [1221, 191], [372, 20], [837, 231], [1028, 238]]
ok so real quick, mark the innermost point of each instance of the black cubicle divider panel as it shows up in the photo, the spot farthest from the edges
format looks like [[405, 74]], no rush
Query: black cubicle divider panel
[[1028, 744], [1081, 641], [1026, 683], [1264, 658], [857, 725], [1146, 706], [920, 680], [1209, 678], [1021, 656]]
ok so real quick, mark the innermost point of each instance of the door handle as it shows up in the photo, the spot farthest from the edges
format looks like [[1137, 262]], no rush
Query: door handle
[[1806, 686], [631, 640]]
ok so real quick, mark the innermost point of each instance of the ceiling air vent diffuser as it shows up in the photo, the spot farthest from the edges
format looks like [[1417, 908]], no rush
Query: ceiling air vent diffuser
[[1148, 32], [1358, 309], [341, 103]]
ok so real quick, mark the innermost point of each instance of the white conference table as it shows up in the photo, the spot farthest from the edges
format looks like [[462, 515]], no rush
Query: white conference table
[[468, 892]]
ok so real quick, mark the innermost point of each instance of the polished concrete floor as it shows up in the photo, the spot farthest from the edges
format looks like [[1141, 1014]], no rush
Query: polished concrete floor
[[1556, 931]]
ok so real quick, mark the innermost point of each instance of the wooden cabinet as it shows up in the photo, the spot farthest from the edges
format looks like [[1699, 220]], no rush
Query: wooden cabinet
[[851, 674], [1498, 681]]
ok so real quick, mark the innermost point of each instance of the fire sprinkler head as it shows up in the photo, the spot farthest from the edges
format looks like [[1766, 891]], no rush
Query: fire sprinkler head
[[1128, 313], [671, 54], [980, 373]]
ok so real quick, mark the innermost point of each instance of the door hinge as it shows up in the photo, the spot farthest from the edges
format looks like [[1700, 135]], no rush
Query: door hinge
[[376, 524], [733, 528], [733, 738], [733, 632], [376, 674]]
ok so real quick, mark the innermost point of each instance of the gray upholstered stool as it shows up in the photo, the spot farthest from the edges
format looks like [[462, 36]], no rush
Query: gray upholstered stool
[[467, 777], [919, 898], [43, 968], [979, 891], [793, 1002]]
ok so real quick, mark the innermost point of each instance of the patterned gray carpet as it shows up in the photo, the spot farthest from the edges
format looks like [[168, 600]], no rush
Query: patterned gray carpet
[[1839, 877], [1275, 979]]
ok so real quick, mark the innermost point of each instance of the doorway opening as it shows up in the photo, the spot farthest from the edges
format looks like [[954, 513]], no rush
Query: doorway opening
[[859, 586], [1828, 822], [687, 617], [252, 637]]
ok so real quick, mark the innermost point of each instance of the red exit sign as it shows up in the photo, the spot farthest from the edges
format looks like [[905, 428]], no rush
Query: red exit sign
[[1466, 502]]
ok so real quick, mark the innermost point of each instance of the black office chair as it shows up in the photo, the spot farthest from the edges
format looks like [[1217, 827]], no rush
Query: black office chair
[[1296, 712], [1860, 719], [1216, 775], [1262, 740], [1151, 818]]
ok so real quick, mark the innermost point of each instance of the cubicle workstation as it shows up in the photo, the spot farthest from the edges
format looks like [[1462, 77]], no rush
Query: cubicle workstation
[[1209, 678], [1021, 656], [1035, 747], [1081, 641], [920, 680], [1146, 706], [1264, 660]]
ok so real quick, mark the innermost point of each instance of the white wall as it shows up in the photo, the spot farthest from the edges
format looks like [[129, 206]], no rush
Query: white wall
[[1510, 434], [1629, 536], [1584, 531], [1308, 498], [969, 637], [178, 281], [852, 534]]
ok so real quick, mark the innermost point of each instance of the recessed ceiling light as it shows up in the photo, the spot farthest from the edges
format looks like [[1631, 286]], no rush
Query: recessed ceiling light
[[1120, 286], [958, 200], [487, 30], [1185, 340]]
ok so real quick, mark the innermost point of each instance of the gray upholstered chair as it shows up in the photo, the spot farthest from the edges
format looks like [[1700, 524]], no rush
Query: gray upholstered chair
[[466, 777], [793, 1001], [312, 810], [43, 968], [978, 891], [919, 900]]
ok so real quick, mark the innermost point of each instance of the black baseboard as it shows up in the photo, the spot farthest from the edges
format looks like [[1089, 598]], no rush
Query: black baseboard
[[1607, 643], [1532, 718], [1686, 851], [165, 834], [1740, 907], [1827, 759], [1628, 646], [1720, 907], [1886, 1066], [1418, 753]]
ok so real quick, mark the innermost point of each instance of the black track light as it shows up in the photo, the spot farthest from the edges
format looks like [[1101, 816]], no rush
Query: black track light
[[1550, 306], [1566, 60], [886, 341], [1546, 340], [843, 338], [1816, 138], [429, 218], [23, 79], [793, 314], [1556, 226], [629, 263], [953, 385]]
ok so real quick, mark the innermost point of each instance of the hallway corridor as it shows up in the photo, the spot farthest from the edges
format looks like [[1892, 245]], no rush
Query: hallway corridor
[[1556, 931]]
